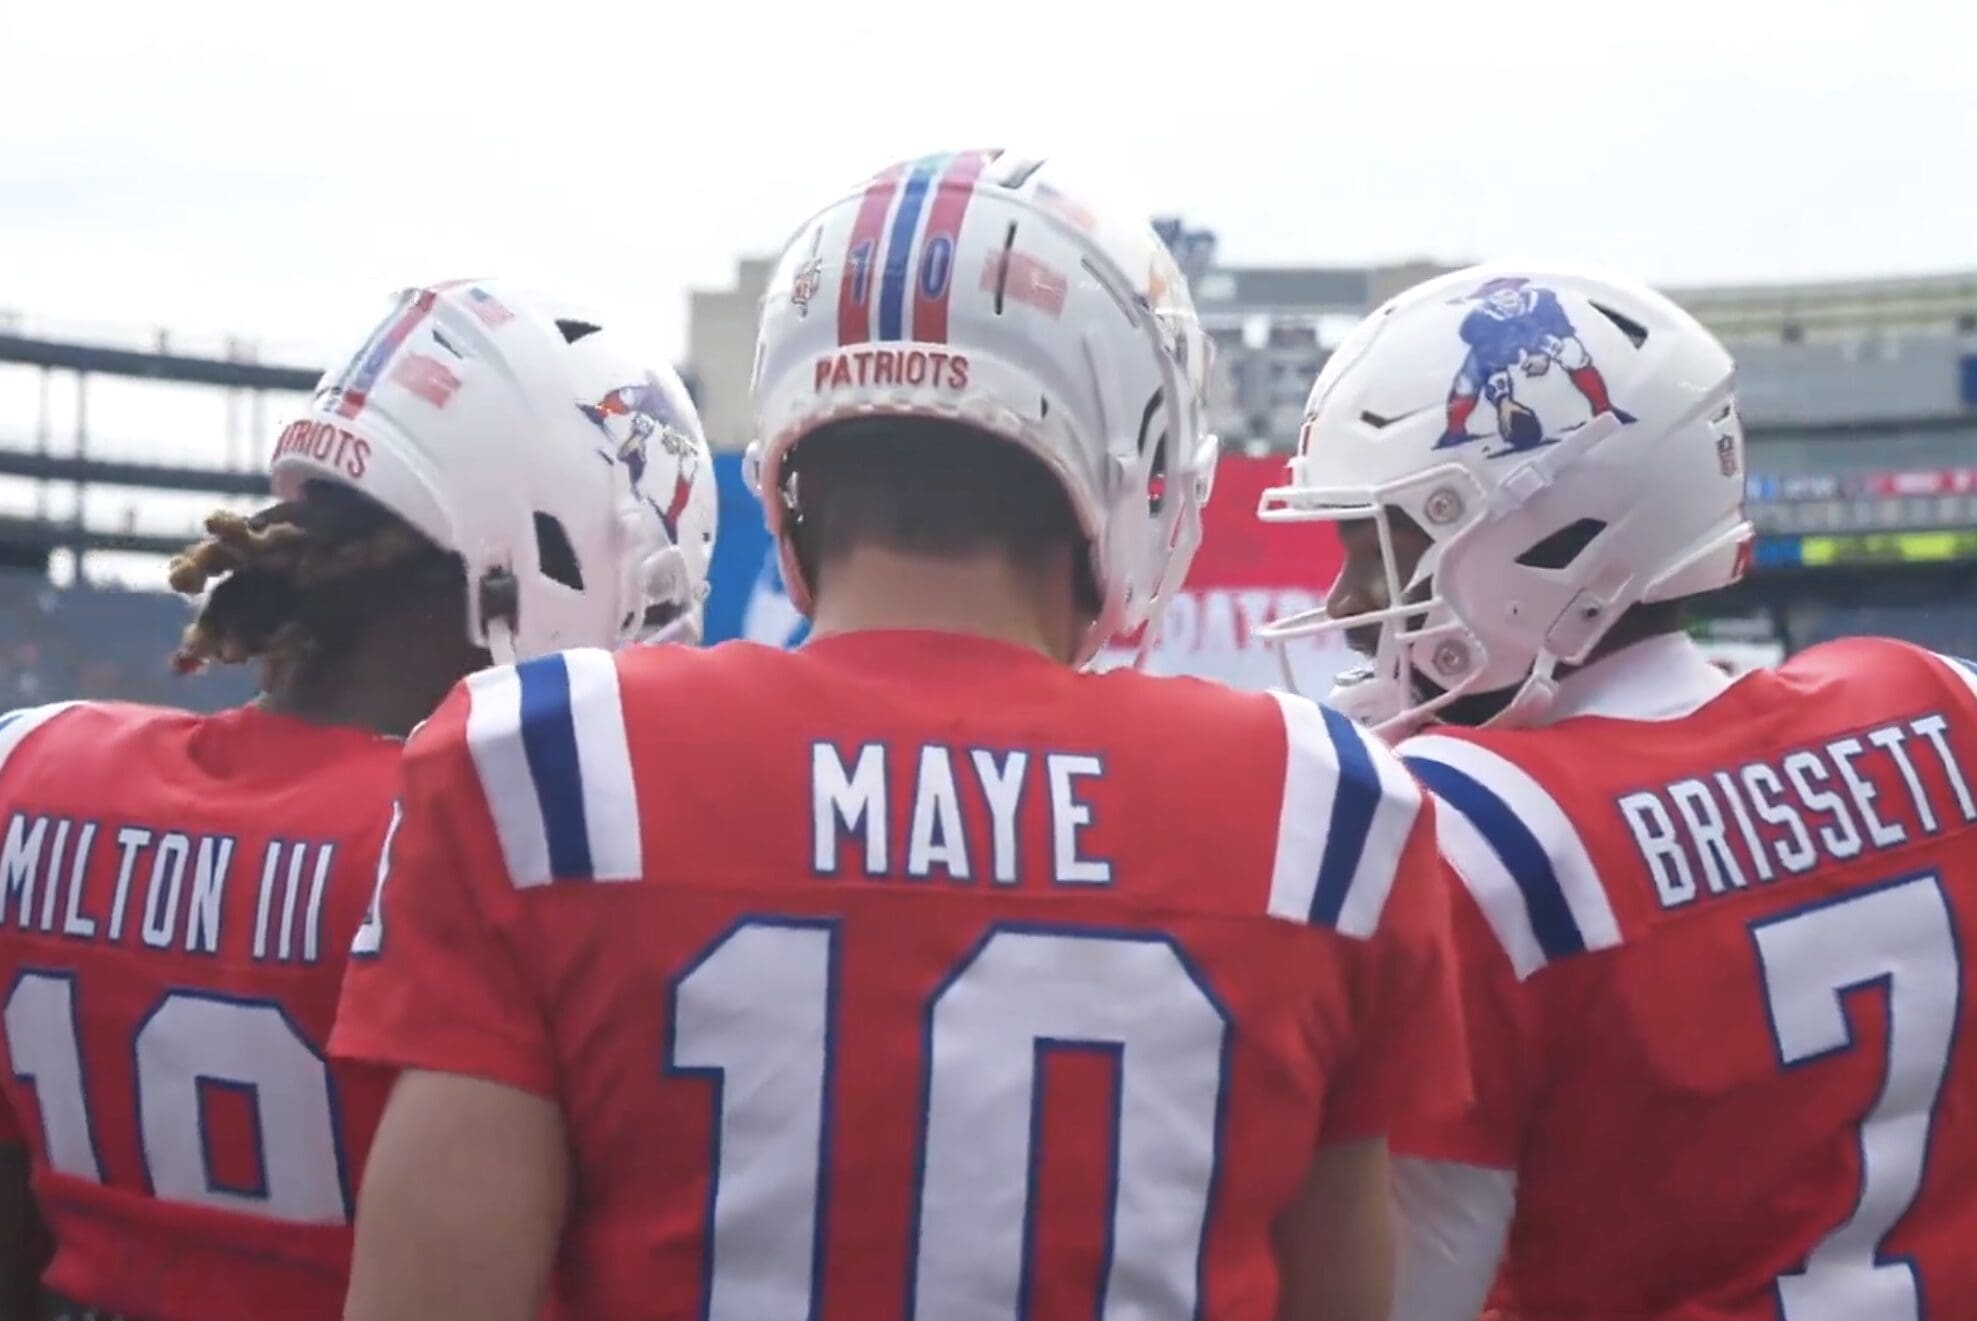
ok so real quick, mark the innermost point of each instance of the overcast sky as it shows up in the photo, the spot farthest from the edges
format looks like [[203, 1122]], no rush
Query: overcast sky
[[278, 166]]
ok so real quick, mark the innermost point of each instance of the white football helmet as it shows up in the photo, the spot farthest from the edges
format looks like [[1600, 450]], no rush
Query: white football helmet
[[976, 287], [569, 475], [1570, 444]]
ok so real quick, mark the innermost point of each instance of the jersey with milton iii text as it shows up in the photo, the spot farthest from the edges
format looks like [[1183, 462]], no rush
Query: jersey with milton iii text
[[178, 894], [1720, 987], [913, 975]]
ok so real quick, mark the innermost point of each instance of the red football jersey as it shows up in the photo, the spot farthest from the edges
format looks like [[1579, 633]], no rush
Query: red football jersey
[[178, 896], [913, 975], [1718, 995]]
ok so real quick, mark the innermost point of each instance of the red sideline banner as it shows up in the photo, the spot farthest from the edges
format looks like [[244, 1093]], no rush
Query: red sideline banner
[[1247, 574]]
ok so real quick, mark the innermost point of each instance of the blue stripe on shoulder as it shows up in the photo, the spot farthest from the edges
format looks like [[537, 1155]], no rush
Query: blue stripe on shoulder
[[1353, 806], [549, 740], [1515, 846]]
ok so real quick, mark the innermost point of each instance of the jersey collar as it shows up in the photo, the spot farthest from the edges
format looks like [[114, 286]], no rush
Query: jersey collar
[[1664, 677]]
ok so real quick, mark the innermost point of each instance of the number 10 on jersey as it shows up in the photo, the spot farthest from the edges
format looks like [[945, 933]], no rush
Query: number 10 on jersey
[[756, 1015]]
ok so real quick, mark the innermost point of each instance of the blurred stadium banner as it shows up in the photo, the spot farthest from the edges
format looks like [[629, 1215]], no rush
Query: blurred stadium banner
[[1940, 547], [1244, 576]]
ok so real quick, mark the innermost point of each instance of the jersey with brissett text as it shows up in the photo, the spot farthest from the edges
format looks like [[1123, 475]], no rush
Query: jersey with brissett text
[[1719, 993], [910, 974], [178, 894]]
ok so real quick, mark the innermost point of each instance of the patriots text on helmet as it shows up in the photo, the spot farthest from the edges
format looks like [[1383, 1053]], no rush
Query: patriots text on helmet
[[325, 442], [880, 366]]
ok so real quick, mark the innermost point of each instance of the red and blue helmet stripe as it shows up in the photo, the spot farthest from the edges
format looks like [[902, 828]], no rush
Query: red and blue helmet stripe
[[926, 201]]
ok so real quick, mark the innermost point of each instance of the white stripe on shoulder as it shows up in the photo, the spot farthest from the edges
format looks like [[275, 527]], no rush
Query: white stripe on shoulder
[[1962, 669], [1386, 838], [15, 726], [1489, 882], [1347, 810], [1301, 821], [549, 743], [604, 752], [1505, 898], [494, 737]]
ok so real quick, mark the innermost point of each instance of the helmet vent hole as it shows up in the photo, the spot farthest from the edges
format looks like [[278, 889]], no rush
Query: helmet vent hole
[[1563, 546], [1120, 299], [1377, 422], [1629, 327], [576, 330], [554, 554], [439, 338], [1002, 267], [1156, 481], [1018, 172]]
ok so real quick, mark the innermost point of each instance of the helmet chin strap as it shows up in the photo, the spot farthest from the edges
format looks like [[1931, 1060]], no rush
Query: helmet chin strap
[[1392, 707], [663, 579], [501, 642], [495, 600], [683, 628], [1534, 696]]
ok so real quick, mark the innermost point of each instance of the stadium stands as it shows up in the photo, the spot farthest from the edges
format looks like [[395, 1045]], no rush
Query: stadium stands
[[99, 642], [1861, 397], [1950, 628]]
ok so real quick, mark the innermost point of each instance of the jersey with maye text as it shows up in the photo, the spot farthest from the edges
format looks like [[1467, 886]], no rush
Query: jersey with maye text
[[1719, 992], [910, 974], [178, 894]]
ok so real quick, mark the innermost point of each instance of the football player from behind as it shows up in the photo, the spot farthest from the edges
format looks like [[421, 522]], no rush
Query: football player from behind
[[1713, 929], [182, 891], [954, 981]]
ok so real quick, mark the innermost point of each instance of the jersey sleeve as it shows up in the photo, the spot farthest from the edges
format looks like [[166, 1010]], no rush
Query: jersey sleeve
[[1963, 676], [1356, 856], [1410, 1061], [433, 981], [1502, 1040], [1527, 897], [15, 727]]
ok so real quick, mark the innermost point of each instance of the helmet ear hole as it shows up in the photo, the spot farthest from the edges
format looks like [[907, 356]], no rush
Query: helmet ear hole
[[1563, 546], [555, 556]]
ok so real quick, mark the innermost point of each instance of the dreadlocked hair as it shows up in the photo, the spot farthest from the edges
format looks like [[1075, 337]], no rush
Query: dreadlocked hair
[[296, 578]]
